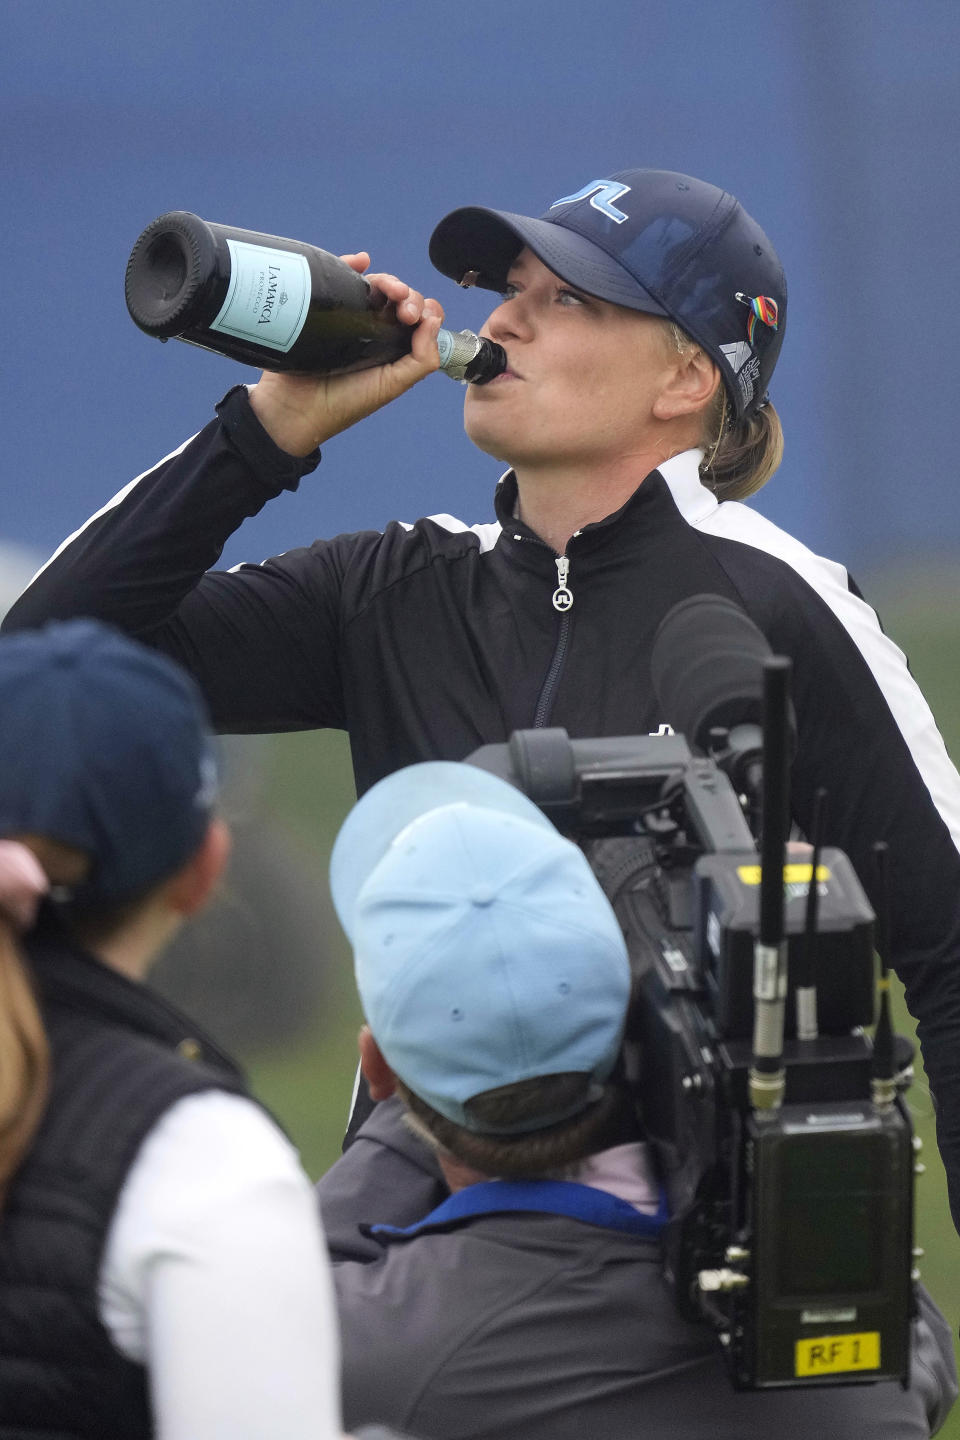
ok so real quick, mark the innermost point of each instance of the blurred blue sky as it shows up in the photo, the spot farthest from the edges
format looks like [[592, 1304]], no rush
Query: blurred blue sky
[[359, 126]]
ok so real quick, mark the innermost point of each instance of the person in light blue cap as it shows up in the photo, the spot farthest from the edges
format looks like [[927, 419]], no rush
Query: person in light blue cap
[[443, 859], [495, 1225]]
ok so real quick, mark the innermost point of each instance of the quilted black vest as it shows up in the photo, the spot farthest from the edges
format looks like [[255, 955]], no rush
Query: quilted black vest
[[121, 1056]]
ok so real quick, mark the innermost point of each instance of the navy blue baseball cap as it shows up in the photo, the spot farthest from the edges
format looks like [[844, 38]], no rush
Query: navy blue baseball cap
[[107, 747], [654, 241]]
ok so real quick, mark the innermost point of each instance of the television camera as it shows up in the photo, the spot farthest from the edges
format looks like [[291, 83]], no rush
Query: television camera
[[782, 1135]]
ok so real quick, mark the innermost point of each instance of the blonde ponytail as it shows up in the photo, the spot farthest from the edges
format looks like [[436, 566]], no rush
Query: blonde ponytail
[[739, 455], [24, 1058], [24, 1050], [744, 455]]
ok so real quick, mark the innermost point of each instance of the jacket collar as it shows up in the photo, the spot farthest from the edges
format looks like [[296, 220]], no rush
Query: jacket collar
[[680, 475], [691, 497], [543, 1197]]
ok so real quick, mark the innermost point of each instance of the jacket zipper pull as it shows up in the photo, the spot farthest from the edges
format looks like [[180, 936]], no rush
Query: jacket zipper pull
[[563, 595]]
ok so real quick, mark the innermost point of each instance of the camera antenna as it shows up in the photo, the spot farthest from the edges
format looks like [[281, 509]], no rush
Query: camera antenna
[[883, 1083], [767, 1078], [806, 973]]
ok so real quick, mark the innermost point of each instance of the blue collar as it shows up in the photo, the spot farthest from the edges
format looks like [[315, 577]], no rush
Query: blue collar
[[548, 1197]]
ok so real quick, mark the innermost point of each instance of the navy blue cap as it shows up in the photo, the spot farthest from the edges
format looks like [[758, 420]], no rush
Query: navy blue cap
[[106, 746], [651, 240]]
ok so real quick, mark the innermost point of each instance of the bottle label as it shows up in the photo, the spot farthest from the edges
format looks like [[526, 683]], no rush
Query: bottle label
[[268, 295]]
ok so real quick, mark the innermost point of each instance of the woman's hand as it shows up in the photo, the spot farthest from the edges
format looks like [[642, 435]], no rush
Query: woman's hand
[[300, 412]]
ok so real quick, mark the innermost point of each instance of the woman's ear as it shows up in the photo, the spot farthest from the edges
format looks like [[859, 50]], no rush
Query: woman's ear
[[190, 889], [381, 1081], [690, 387]]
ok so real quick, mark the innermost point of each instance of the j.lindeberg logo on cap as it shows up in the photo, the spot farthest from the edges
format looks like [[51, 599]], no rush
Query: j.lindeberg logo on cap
[[602, 194]]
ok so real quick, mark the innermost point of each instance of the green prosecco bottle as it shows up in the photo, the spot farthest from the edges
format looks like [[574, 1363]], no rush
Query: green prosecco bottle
[[276, 304]]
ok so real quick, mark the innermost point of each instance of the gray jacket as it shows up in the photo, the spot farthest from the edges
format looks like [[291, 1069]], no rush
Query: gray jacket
[[537, 1326]]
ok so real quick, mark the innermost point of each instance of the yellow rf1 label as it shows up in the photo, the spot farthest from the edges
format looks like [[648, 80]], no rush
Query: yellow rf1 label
[[835, 1354], [792, 874]]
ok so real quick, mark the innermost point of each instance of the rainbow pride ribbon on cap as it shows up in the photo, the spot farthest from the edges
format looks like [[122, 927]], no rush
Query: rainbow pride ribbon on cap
[[762, 308]]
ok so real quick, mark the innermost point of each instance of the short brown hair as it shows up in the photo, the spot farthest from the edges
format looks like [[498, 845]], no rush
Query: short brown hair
[[546, 1151]]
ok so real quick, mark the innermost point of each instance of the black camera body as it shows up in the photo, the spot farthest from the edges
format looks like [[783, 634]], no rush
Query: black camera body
[[791, 1228]]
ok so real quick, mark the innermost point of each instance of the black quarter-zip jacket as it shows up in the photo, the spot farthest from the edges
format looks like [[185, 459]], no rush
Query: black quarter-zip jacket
[[426, 641]]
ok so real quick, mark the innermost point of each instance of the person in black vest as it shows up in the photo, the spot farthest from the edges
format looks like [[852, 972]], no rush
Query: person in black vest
[[162, 1269]]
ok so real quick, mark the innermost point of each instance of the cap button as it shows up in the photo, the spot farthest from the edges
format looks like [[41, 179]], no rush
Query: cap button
[[483, 895]]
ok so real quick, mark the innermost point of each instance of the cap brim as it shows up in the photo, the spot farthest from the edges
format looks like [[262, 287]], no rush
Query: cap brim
[[488, 242], [395, 802]]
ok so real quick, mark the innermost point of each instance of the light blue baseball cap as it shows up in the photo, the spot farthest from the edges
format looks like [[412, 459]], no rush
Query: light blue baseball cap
[[486, 952]]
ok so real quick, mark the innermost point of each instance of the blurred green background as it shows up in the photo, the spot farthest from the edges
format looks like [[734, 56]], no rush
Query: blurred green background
[[308, 787]]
